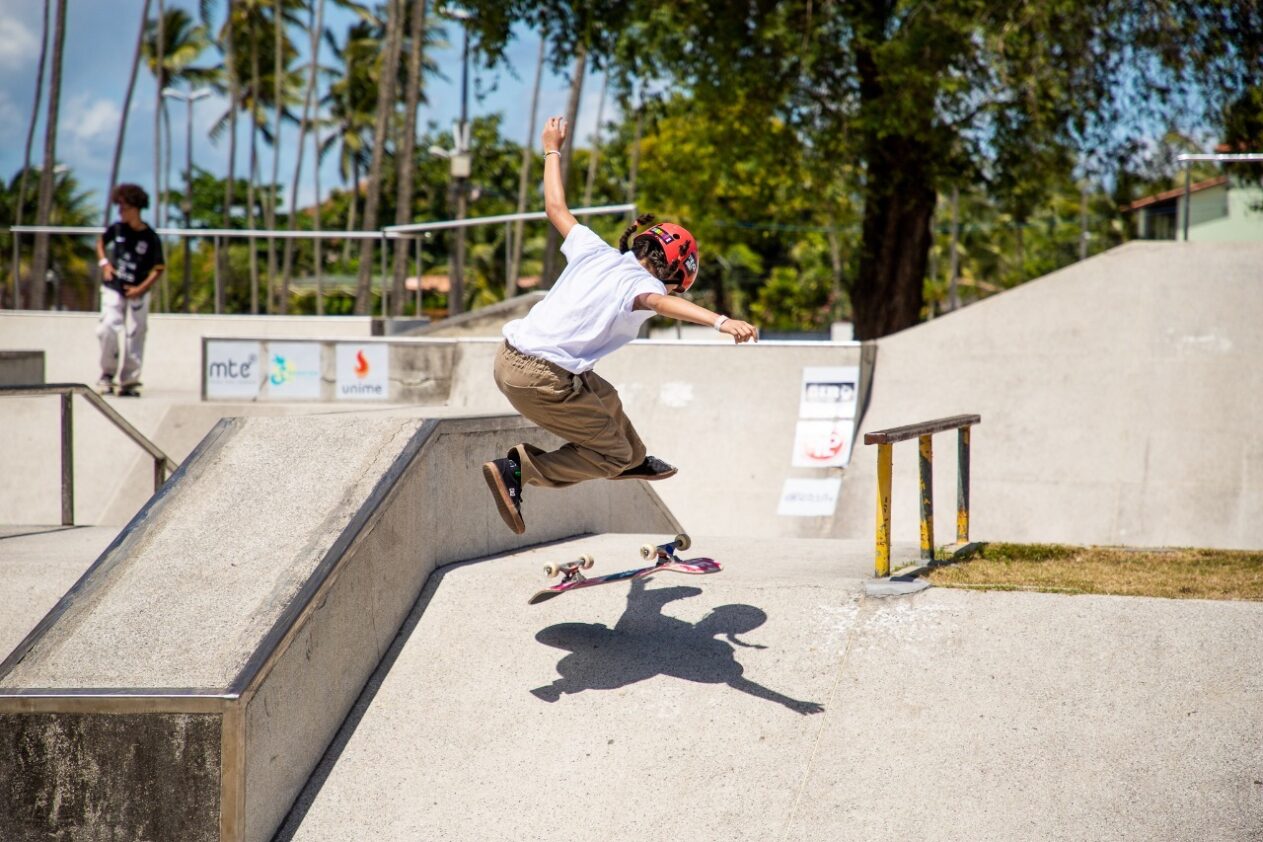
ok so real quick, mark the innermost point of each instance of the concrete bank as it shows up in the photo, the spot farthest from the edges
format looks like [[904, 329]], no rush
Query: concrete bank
[[215, 647]]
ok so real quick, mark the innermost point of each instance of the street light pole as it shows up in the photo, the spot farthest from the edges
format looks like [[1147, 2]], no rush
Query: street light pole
[[186, 205]]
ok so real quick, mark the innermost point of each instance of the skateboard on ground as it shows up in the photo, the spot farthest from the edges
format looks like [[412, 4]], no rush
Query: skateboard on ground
[[663, 556]]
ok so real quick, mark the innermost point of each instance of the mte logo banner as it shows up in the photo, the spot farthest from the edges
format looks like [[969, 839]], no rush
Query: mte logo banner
[[233, 369], [363, 371]]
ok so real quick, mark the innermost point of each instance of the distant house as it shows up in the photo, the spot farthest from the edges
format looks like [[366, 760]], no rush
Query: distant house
[[1223, 210]]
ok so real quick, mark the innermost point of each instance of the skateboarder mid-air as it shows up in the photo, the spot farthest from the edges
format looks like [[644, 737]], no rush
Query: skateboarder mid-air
[[597, 305]]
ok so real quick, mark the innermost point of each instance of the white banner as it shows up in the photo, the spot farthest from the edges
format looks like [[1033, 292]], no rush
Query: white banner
[[294, 370], [809, 497], [233, 369], [823, 444], [363, 371], [829, 392]]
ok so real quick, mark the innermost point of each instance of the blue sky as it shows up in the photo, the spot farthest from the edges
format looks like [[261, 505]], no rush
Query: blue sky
[[100, 37]]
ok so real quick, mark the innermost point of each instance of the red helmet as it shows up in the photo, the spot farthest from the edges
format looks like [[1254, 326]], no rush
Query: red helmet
[[680, 248]]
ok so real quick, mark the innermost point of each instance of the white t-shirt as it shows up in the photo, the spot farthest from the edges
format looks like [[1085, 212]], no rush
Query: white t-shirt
[[588, 312]]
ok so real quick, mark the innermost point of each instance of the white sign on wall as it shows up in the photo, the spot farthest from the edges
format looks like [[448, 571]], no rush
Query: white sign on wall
[[234, 369], [809, 497], [294, 370], [829, 392], [363, 371], [823, 444]]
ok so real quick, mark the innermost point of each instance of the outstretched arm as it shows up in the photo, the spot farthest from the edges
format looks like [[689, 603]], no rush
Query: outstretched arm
[[554, 135], [687, 311]]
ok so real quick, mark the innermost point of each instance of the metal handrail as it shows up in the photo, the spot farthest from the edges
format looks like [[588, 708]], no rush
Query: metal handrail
[[923, 431], [163, 465]]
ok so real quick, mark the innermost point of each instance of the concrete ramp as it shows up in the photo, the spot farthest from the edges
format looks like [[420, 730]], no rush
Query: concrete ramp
[[187, 685], [1121, 402]]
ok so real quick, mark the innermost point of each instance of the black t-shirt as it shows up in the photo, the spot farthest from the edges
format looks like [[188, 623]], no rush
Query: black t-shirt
[[133, 254]]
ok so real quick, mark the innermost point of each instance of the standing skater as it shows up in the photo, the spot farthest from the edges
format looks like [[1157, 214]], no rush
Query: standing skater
[[125, 281], [597, 305]]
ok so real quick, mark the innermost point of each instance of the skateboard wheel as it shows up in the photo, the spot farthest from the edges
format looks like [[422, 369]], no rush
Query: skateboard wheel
[[648, 551], [551, 570], [586, 561], [683, 542]]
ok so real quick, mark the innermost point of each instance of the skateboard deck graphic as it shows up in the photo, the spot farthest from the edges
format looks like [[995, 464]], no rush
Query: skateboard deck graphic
[[664, 554]]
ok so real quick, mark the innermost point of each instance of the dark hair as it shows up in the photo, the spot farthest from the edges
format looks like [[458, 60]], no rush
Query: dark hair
[[132, 195], [648, 248]]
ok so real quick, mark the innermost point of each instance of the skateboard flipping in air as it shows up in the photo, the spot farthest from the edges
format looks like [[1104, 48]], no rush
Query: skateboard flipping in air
[[663, 556]]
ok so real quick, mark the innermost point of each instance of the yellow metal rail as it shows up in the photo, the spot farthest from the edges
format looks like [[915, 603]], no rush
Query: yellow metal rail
[[923, 432]]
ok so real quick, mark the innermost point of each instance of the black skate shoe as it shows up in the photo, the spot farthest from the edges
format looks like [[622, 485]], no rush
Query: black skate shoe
[[504, 478], [652, 468]]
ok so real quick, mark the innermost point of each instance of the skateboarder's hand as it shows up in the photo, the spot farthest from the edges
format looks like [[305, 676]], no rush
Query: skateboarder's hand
[[739, 330], [554, 134]]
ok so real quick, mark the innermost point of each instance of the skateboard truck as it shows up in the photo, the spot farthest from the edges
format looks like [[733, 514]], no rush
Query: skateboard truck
[[570, 569], [665, 553]]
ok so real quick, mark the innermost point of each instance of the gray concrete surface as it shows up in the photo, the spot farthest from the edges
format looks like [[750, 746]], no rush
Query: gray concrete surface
[[37, 565], [1121, 400], [775, 701]]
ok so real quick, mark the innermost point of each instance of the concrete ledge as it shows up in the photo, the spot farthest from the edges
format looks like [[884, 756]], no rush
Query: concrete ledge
[[21, 368], [257, 591]]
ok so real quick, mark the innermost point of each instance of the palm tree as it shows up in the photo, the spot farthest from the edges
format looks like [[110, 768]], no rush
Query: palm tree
[[39, 262], [524, 177], [127, 107], [407, 145], [352, 102], [387, 73], [67, 256], [26, 160], [173, 42], [316, 25]]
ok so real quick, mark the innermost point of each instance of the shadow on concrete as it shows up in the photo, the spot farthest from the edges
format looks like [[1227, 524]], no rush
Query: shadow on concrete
[[645, 643]]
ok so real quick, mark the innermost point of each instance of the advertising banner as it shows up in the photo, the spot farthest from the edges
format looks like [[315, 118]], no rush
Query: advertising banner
[[294, 370], [823, 444], [363, 371], [829, 392], [809, 497], [233, 369]]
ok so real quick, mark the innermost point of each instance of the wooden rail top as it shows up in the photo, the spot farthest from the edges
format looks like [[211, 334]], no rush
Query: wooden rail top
[[925, 428]]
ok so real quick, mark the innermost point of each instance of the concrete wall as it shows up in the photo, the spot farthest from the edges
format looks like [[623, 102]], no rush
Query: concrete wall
[[21, 368], [1121, 402], [173, 348], [263, 584]]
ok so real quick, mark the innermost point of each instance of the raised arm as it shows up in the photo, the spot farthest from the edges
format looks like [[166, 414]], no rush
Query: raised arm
[[559, 215]]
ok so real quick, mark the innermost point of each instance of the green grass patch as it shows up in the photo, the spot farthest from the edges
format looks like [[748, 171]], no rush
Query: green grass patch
[[1054, 568]]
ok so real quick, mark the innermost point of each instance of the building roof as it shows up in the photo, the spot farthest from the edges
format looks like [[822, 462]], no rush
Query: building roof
[[1177, 192]]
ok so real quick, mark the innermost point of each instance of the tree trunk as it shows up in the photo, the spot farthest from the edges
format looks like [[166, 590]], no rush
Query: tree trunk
[[254, 178], [318, 257], [407, 150], [278, 68], [127, 107], [385, 109], [160, 46], [524, 178], [351, 211], [552, 246], [895, 246], [317, 24], [26, 162], [234, 95], [596, 144], [44, 209]]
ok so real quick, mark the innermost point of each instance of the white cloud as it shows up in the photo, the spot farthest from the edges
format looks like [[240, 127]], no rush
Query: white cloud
[[18, 45], [88, 118]]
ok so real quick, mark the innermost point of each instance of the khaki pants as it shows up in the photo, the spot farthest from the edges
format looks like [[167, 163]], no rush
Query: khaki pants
[[583, 409]]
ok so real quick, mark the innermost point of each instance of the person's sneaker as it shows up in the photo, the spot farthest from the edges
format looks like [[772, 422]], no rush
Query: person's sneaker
[[129, 390], [504, 478], [651, 469], [105, 386]]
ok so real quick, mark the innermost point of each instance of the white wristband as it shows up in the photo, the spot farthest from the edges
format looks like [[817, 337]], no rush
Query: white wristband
[[103, 262], [719, 322], [556, 152]]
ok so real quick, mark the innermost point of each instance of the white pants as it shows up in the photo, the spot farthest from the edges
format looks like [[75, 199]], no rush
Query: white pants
[[115, 310]]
